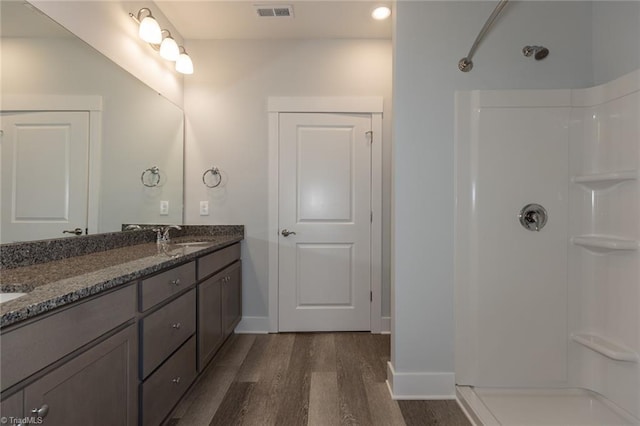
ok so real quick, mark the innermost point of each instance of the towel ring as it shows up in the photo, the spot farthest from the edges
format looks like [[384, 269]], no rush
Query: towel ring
[[215, 172], [155, 177]]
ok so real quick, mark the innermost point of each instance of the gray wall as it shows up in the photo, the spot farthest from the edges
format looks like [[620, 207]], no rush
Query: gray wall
[[226, 106], [616, 39]]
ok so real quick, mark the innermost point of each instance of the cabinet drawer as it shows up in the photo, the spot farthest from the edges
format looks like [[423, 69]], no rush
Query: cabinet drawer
[[162, 390], [217, 260], [157, 288], [28, 349], [166, 329]]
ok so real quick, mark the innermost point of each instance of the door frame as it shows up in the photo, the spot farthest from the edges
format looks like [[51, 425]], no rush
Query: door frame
[[82, 103], [372, 105]]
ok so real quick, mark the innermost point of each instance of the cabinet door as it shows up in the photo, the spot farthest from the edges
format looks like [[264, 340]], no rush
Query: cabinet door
[[11, 409], [210, 335], [97, 387], [231, 298]]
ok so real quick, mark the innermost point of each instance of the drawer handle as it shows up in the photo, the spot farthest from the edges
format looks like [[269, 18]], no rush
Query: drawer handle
[[42, 411], [176, 282], [176, 380], [176, 326]]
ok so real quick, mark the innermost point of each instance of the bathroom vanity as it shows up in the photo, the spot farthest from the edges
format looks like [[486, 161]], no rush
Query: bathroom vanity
[[119, 340]]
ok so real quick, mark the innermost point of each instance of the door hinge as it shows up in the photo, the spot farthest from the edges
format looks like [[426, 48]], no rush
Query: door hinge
[[371, 217], [370, 296]]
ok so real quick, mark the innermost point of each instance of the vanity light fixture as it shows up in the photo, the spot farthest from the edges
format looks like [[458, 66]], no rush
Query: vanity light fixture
[[169, 48], [380, 13], [184, 64], [149, 30], [161, 40]]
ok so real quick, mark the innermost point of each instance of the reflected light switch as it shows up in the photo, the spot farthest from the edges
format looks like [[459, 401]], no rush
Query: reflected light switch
[[164, 208], [204, 208]]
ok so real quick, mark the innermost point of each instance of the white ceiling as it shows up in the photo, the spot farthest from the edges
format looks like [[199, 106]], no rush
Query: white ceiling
[[238, 20]]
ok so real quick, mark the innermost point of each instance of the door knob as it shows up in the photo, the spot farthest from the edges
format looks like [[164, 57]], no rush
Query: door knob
[[77, 231], [286, 233]]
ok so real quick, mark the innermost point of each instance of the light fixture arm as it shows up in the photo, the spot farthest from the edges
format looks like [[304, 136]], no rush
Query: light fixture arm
[[138, 18]]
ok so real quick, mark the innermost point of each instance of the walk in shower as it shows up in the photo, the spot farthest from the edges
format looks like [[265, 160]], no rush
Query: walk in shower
[[548, 315]]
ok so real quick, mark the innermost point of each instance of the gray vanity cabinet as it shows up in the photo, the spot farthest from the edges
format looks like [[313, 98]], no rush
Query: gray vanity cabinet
[[219, 300], [210, 335], [167, 328], [231, 298], [124, 357], [98, 387], [76, 365]]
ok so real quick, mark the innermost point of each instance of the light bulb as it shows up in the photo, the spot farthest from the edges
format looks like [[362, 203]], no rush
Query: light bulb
[[184, 64], [380, 13], [169, 49], [150, 30]]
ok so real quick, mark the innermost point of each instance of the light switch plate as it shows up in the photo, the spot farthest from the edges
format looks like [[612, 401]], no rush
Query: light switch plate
[[204, 208], [164, 208]]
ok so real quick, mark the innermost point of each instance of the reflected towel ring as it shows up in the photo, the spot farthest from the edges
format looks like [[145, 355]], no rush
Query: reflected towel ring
[[215, 172], [155, 177]]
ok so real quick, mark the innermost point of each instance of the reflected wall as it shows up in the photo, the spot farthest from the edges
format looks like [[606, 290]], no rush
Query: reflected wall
[[140, 129]]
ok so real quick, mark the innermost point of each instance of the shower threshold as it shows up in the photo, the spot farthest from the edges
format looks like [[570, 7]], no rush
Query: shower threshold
[[540, 407]]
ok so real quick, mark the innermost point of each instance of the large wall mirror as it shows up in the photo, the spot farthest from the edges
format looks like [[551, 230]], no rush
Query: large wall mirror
[[112, 154]]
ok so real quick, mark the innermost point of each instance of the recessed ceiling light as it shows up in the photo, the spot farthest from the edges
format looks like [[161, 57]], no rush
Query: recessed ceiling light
[[380, 13]]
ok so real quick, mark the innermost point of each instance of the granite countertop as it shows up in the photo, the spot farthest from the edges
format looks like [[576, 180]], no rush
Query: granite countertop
[[57, 283]]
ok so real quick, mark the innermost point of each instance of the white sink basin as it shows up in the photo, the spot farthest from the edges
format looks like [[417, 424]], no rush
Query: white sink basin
[[5, 297]]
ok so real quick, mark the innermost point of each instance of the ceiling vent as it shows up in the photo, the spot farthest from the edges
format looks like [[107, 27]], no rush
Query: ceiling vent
[[276, 11]]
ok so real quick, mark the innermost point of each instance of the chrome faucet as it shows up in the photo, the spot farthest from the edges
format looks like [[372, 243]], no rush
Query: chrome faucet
[[165, 232]]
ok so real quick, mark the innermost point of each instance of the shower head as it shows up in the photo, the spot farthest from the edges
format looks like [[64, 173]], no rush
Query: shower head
[[538, 52], [541, 53]]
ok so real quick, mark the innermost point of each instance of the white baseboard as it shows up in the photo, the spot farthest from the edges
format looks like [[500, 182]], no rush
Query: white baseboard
[[253, 325], [385, 325], [260, 325], [420, 385]]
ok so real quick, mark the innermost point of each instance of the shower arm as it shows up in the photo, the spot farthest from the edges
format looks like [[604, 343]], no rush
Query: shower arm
[[466, 63]]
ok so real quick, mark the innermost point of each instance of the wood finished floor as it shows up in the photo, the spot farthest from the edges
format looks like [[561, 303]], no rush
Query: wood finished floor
[[296, 379]]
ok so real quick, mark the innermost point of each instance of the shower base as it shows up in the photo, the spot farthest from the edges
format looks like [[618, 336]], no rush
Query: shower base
[[540, 407]]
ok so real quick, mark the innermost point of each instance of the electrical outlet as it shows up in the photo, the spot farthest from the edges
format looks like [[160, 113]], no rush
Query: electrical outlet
[[204, 208], [164, 208]]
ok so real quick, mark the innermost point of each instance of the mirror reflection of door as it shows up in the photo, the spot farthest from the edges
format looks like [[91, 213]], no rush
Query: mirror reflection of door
[[44, 178]]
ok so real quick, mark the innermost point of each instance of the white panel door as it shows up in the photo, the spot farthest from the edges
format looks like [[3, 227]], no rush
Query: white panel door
[[45, 158], [325, 202]]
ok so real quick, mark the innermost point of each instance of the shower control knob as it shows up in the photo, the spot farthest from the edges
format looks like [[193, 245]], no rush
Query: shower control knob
[[533, 217]]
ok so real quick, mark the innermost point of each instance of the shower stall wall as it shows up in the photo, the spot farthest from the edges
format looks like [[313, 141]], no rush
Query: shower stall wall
[[555, 309]]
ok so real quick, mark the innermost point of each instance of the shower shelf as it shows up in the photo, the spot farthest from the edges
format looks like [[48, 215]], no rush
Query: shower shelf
[[605, 180], [603, 243], [605, 347]]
